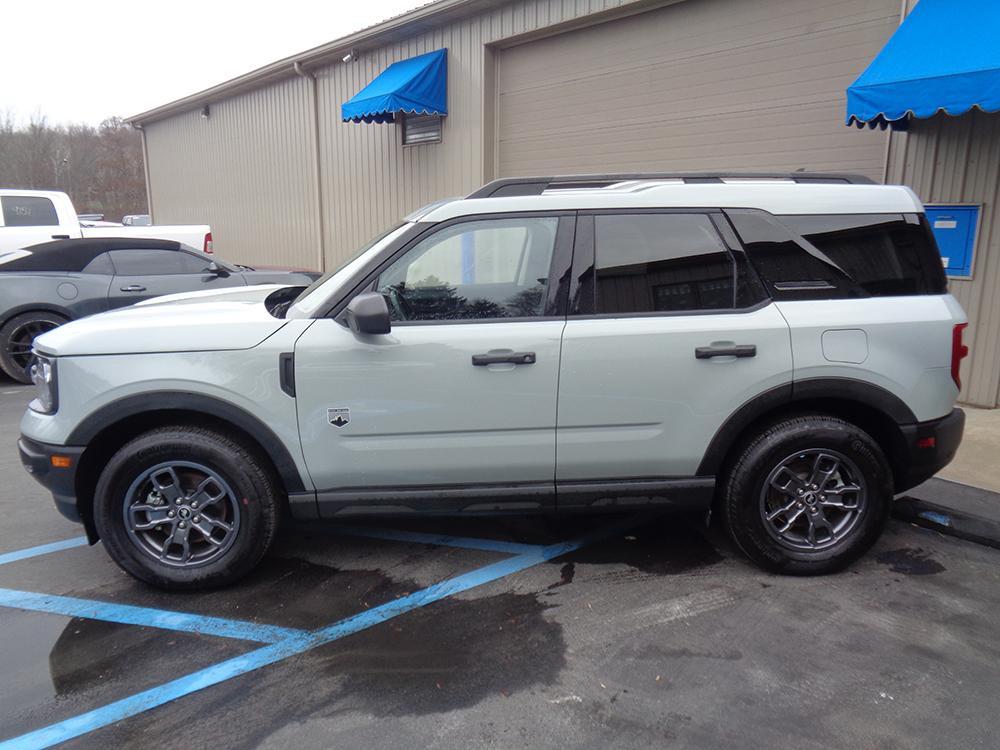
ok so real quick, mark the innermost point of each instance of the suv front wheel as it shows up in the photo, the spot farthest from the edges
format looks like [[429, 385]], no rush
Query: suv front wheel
[[184, 507], [808, 496]]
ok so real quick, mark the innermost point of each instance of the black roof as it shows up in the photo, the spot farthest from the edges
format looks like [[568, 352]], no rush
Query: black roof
[[74, 255]]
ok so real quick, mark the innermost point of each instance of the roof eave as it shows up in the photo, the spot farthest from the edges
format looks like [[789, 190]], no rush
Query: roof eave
[[400, 26]]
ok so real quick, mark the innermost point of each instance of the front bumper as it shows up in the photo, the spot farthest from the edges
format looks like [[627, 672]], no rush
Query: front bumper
[[930, 446], [59, 480]]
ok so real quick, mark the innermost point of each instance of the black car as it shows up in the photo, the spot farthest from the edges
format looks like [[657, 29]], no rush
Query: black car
[[44, 286]]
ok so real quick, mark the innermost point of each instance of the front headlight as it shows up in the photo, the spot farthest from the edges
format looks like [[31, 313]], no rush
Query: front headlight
[[43, 375]]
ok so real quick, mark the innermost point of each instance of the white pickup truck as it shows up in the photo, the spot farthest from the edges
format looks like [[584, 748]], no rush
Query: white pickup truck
[[29, 217]]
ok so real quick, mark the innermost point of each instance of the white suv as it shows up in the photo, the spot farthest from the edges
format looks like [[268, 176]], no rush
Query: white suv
[[782, 349]]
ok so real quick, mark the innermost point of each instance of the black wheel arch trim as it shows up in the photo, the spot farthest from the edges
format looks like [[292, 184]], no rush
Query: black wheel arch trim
[[156, 401], [844, 389]]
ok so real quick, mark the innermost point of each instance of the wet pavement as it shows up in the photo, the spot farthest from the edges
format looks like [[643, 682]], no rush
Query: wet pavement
[[658, 634]]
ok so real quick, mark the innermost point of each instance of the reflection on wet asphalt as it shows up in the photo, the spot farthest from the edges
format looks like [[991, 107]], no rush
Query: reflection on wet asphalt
[[659, 634]]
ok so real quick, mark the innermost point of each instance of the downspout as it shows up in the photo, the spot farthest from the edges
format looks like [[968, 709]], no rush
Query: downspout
[[145, 169], [903, 10], [317, 166]]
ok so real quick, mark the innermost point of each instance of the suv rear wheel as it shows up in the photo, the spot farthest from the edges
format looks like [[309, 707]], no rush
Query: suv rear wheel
[[184, 507], [809, 495]]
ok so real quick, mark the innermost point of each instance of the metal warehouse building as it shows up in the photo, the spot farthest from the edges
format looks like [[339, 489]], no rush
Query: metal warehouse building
[[577, 86]]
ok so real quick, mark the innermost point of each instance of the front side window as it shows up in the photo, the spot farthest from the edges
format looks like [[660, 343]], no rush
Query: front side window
[[153, 262], [28, 211], [477, 270], [648, 263]]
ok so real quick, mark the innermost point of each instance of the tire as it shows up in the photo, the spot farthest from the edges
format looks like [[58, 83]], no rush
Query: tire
[[771, 486], [186, 484], [16, 337]]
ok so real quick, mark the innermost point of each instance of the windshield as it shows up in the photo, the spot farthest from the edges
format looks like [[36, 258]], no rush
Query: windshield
[[320, 290]]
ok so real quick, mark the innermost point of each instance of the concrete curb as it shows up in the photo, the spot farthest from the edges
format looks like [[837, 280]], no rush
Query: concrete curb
[[948, 521]]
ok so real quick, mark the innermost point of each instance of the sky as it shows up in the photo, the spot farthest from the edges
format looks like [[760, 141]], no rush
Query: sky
[[76, 61]]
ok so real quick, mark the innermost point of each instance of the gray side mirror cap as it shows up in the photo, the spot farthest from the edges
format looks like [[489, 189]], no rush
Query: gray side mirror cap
[[368, 314]]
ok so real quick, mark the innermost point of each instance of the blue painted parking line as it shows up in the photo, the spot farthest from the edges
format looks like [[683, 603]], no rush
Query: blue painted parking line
[[253, 660], [440, 540], [145, 616], [42, 549]]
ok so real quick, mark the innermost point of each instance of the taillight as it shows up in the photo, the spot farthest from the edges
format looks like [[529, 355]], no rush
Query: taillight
[[958, 351], [208, 242]]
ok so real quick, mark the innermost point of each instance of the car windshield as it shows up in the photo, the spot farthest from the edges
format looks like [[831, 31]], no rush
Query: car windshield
[[319, 291]]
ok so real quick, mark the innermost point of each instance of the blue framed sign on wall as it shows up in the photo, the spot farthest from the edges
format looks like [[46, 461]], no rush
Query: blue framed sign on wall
[[954, 228]]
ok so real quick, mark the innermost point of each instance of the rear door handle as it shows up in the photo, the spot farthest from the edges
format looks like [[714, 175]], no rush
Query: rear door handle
[[739, 350], [133, 288], [512, 358], [60, 236]]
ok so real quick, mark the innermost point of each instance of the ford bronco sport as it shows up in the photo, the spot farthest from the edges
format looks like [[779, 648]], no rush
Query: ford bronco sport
[[781, 349]]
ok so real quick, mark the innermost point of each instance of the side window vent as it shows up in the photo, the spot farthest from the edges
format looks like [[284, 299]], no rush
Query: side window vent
[[419, 129]]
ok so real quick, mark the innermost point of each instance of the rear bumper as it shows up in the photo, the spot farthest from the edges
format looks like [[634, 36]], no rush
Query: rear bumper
[[60, 481], [930, 446]]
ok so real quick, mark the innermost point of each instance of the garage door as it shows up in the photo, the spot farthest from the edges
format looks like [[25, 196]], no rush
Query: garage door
[[702, 84]]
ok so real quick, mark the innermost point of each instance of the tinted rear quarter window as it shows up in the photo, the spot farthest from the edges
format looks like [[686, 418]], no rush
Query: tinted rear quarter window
[[885, 254], [28, 211], [841, 255], [648, 263]]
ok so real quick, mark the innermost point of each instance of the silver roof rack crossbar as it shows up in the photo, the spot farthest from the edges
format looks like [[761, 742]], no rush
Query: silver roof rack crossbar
[[517, 186]]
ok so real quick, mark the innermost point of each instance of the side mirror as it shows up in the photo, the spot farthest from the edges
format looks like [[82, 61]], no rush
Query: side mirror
[[368, 314], [213, 268]]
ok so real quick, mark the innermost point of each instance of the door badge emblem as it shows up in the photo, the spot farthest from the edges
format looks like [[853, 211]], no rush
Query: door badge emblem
[[340, 417]]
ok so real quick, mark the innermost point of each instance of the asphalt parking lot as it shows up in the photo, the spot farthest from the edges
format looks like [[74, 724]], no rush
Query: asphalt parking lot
[[493, 633]]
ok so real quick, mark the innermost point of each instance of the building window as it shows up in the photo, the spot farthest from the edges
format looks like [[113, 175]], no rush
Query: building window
[[419, 129]]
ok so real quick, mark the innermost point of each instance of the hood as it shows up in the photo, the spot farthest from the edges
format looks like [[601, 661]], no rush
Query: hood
[[194, 321]]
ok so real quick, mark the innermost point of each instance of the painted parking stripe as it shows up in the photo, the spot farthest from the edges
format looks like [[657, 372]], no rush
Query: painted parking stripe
[[262, 657], [42, 549], [127, 614], [441, 540]]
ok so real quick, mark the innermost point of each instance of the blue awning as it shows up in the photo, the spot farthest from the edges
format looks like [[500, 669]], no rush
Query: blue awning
[[945, 57], [417, 86]]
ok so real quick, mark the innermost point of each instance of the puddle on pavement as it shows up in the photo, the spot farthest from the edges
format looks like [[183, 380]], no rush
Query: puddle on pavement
[[913, 561], [450, 655], [55, 667], [666, 545]]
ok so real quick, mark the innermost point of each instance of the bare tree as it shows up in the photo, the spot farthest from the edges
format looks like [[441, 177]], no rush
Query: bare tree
[[101, 168]]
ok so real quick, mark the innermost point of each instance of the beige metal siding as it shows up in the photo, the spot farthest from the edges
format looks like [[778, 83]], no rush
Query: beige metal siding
[[370, 179], [957, 160], [705, 84], [247, 170]]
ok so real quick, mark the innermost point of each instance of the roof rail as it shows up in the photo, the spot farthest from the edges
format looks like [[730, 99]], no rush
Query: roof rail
[[515, 186]]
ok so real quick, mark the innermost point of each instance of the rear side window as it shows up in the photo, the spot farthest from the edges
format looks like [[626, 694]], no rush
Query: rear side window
[[100, 265], [841, 255], [885, 254], [28, 211], [648, 263]]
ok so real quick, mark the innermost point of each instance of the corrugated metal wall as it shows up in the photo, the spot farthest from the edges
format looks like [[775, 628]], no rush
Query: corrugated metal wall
[[711, 84], [248, 170], [370, 179], [957, 160]]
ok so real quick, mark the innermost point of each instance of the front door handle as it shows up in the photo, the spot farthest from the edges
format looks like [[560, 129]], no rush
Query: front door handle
[[739, 350], [133, 288], [500, 358]]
